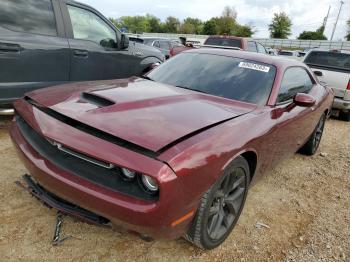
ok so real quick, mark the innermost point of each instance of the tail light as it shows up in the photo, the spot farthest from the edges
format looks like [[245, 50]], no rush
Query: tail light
[[348, 88]]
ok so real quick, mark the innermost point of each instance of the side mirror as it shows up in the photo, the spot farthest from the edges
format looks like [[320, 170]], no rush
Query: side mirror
[[304, 100], [318, 73], [124, 43]]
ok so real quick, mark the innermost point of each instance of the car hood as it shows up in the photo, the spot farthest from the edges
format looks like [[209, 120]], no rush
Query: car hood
[[146, 50], [143, 112]]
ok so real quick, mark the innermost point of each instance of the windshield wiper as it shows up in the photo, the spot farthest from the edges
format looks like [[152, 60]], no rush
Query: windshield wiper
[[147, 77], [187, 88]]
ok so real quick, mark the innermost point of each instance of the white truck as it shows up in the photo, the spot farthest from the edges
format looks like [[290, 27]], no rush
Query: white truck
[[333, 68]]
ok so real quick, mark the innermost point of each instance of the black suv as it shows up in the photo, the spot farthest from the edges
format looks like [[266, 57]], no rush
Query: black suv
[[49, 42]]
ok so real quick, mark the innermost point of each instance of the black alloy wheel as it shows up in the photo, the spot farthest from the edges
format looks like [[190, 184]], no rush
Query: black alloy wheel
[[221, 206], [313, 143], [226, 205]]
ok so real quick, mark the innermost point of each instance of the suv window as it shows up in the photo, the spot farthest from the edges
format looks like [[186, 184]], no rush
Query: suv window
[[252, 46], [261, 48], [295, 80], [156, 44], [30, 16], [224, 42], [329, 59], [164, 45], [88, 26]]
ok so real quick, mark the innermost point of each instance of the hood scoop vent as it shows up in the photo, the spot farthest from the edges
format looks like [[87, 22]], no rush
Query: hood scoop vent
[[96, 100]]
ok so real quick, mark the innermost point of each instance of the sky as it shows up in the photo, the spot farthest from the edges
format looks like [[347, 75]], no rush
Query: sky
[[305, 14]]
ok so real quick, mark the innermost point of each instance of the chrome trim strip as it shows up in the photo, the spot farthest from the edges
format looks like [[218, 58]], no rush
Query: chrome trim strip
[[6, 111], [81, 156]]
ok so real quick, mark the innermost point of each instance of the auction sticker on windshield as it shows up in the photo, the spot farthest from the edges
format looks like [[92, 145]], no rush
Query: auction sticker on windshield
[[253, 66]]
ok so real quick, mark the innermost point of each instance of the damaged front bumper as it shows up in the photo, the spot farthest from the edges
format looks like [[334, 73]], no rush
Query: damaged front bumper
[[61, 205]]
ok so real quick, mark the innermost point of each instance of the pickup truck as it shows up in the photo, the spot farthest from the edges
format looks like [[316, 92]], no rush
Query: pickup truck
[[49, 42], [333, 68], [225, 42]]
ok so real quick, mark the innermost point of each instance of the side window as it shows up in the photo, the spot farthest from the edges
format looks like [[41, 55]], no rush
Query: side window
[[261, 48], [295, 80], [164, 45], [252, 47], [88, 26], [36, 17], [156, 44]]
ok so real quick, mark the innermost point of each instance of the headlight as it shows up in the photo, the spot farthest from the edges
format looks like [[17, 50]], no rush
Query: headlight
[[128, 174], [150, 184]]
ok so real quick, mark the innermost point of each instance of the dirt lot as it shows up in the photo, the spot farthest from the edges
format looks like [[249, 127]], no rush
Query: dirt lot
[[304, 202]]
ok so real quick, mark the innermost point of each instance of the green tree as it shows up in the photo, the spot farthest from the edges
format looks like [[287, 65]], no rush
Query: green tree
[[313, 35], [348, 35], [172, 25], [243, 30], [280, 26], [135, 24], [154, 24], [226, 23], [191, 26], [210, 26]]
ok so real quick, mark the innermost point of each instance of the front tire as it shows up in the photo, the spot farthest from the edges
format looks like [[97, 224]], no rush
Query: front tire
[[221, 206], [313, 143]]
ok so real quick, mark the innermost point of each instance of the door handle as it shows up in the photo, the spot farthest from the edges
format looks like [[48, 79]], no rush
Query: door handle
[[10, 48], [81, 53]]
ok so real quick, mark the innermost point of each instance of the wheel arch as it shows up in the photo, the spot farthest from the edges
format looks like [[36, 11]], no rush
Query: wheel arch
[[252, 160], [251, 156]]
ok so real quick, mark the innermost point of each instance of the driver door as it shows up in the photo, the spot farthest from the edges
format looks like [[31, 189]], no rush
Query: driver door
[[94, 53], [292, 124]]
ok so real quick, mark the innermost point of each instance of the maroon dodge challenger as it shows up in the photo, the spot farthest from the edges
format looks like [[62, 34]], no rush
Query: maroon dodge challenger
[[173, 153]]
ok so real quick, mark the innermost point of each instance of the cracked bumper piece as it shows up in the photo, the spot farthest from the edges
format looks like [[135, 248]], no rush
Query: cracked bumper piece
[[154, 219]]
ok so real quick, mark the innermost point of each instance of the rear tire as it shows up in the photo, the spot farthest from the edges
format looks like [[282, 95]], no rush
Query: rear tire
[[312, 144], [220, 207], [345, 116]]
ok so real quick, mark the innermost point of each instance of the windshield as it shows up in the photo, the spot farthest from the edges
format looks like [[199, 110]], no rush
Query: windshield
[[224, 42], [329, 59], [228, 77]]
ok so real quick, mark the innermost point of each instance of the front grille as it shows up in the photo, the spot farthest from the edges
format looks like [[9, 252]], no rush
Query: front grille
[[107, 177]]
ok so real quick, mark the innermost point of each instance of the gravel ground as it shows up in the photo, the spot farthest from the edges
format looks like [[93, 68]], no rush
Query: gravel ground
[[304, 202]]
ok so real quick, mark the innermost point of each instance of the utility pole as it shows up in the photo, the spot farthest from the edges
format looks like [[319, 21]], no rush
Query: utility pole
[[336, 22], [325, 20]]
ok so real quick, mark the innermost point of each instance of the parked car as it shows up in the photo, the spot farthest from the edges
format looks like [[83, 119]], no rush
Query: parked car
[[45, 43], [173, 153], [333, 68], [229, 42], [290, 54], [163, 44], [272, 51]]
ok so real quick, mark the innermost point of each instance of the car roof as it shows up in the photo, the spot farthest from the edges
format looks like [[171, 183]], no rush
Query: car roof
[[226, 36], [330, 50], [151, 38], [277, 61]]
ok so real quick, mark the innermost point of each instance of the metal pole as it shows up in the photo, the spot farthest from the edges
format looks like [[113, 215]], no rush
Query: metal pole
[[336, 22], [326, 19]]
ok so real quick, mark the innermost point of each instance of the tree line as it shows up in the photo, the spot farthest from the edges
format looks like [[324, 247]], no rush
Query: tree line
[[280, 26], [225, 24]]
